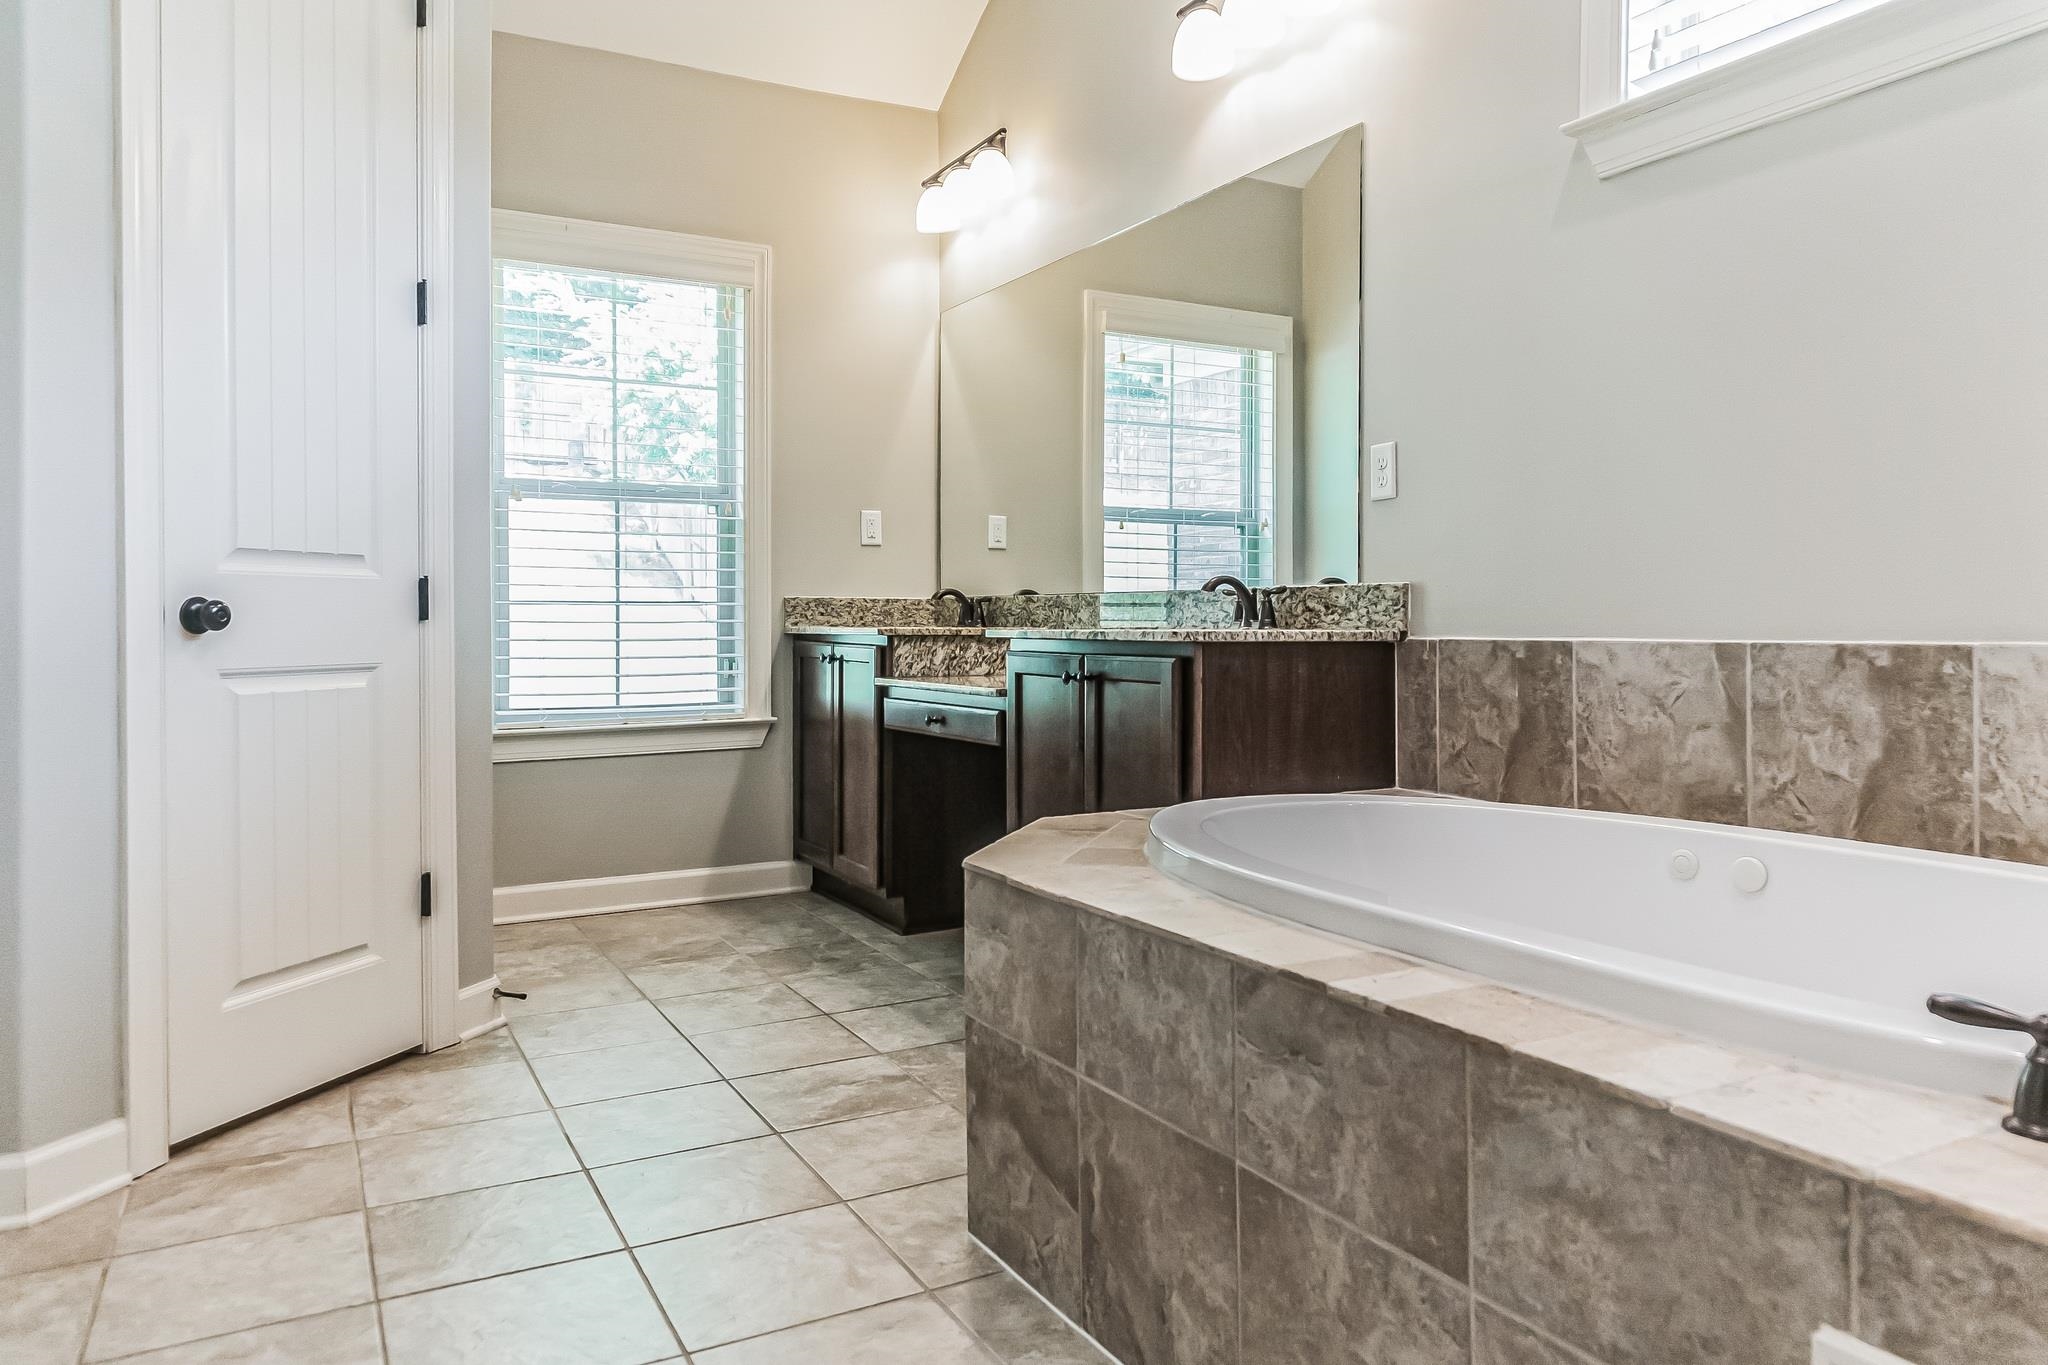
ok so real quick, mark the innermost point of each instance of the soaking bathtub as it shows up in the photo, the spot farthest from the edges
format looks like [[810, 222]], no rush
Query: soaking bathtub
[[1820, 950]]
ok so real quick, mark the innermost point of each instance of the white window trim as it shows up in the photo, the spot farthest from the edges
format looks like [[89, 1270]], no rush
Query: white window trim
[[1200, 324], [576, 243], [1895, 40]]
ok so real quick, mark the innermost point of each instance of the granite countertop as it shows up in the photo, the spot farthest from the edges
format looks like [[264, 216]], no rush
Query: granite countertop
[[903, 631], [1202, 635], [1942, 1149], [1133, 634], [993, 686]]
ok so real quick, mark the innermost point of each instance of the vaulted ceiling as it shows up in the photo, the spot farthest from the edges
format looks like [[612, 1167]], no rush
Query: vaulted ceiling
[[896, 51]]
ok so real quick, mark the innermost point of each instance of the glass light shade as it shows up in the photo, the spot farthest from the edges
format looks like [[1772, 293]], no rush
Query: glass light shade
[[995, 179], [1253, 25], [981, 186], [938, 209], [1202, 48], [1312, 9]]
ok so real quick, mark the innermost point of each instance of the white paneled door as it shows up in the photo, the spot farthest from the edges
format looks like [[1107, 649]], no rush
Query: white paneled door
[[290, 221]]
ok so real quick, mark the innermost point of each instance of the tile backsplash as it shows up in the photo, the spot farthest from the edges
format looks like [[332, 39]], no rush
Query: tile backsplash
[[1941, 747]]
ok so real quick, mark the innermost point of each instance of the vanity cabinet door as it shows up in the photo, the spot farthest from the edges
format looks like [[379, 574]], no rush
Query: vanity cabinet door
[[1047, 766], [817, 751], [1134, 732], [857, 857]]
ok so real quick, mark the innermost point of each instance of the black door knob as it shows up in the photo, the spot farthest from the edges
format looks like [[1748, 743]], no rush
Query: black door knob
[[199, 615]]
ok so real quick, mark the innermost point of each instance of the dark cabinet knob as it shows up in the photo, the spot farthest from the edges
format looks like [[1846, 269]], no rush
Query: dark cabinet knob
[[935, 719], [198, 615]]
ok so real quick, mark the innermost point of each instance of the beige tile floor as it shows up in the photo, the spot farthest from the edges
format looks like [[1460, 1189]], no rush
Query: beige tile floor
[[731, 1130]]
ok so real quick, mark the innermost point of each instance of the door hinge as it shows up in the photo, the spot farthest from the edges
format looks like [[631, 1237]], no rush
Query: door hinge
[[420, 302], [420, 15], [425, 599], [426, 895]]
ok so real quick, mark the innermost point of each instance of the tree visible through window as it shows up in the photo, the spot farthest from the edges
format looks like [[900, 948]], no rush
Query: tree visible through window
[[1189, 432], [620, 419]]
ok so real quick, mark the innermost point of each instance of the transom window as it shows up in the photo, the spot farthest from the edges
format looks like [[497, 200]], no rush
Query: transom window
[[622, 418], [1669, 40], [1661, 77], [1192, 434]]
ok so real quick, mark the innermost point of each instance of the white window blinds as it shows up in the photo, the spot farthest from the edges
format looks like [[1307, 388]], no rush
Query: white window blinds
[[1669, 40], [620, 413], [1188, 449]]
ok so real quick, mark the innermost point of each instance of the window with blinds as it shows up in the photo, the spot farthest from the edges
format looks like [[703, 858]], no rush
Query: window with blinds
[[620, 418], [1669, 40], [1189, 433]]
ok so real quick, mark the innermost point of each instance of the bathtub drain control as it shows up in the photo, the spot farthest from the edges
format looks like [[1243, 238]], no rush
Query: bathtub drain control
[[1749, 875], [1685, 865]]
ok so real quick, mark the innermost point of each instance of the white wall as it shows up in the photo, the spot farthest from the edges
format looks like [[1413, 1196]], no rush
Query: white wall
[[831, 185], [1700, 400], [12, 226], [59, 755]]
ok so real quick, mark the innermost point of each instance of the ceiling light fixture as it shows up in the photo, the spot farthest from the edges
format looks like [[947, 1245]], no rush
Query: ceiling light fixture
[[969, 187], [1202, 47], [1215, 37]]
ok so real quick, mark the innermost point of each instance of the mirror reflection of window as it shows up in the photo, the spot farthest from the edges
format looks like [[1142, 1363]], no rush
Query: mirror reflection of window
[[1189, 436]]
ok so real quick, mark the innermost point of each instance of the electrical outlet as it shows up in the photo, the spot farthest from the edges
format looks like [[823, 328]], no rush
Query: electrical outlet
[[999, 533], [1384, 465], [871, 528]]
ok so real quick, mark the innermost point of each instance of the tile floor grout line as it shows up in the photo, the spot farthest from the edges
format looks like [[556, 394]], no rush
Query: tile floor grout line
[[930, 1096], [839, 1200], [603, 1204], [833, 1317], [99, 1292]]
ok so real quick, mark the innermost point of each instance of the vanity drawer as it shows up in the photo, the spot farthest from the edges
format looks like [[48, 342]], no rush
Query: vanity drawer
[[970, 724]]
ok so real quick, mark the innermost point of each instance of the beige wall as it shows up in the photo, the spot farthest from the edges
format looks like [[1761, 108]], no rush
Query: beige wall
[[830, 184], [1010, 369], [1326, 495], [1788, 386]]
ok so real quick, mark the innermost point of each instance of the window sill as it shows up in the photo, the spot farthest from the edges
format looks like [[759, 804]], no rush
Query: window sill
[[616, 741], [1859, 53]]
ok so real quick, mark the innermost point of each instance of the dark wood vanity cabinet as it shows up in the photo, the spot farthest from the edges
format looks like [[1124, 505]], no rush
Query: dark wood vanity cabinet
[[1094, 732], [896, 782], [1097, 726], [839, 760]]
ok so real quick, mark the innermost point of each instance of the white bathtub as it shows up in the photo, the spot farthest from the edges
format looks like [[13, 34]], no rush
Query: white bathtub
[[1830, 963]]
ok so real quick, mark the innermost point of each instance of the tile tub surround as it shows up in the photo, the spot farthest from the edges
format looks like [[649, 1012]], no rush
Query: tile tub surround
[[584, 1186], [1941, 747], [1400, 1162]]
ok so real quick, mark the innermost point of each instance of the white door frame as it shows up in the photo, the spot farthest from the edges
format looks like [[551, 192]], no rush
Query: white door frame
[[142, 581]]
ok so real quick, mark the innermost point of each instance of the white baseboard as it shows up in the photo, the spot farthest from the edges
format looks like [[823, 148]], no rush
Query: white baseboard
[[61, 1175], [646, 891], [476, 1009]]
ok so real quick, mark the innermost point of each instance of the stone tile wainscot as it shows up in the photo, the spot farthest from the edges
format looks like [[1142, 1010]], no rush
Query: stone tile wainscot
[[1206, 1136]]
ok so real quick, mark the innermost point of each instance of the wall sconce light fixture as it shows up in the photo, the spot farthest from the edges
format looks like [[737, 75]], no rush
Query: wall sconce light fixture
[[969, 187]]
